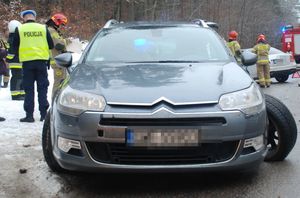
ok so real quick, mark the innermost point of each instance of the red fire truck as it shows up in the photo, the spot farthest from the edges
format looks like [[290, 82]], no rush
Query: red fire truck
[[291, 41]]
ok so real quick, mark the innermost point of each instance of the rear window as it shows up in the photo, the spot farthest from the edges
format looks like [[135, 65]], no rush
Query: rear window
[[275, 51], [151, 44]]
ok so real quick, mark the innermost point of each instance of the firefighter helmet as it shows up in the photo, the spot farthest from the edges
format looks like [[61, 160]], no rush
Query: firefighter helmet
[[233, 35], [261, 37], [59, 19], [12, 25]]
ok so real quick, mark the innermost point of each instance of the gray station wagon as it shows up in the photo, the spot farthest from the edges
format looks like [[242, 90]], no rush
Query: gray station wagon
[[158, 97]]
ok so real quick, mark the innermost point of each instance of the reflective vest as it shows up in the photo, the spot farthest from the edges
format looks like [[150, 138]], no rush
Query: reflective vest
[[262, 51], [33, 42]]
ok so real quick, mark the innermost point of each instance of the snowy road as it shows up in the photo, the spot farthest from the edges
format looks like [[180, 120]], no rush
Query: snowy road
[[20, 148]]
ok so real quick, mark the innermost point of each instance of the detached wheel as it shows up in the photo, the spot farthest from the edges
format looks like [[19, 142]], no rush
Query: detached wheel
[[282, 77], [47, 147], [282, 131]]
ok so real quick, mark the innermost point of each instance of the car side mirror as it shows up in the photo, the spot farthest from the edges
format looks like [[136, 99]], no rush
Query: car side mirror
[[248, 58], [64, 60]]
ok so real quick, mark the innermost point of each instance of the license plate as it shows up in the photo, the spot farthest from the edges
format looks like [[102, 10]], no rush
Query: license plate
[[162, 137]]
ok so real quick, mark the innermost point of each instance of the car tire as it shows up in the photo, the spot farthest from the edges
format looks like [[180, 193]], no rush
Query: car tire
[[282, 77], [47, 147], [282, 130]]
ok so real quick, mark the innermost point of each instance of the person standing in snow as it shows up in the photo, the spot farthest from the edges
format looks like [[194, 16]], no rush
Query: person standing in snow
[[33, 43], [55, 24], [16, 86]]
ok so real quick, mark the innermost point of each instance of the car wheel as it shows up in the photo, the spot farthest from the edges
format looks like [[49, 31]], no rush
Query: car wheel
[[282, 77], [282, 131], [47, 146]]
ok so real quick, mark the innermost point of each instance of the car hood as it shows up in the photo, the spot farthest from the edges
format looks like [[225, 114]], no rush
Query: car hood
[[146, 84]]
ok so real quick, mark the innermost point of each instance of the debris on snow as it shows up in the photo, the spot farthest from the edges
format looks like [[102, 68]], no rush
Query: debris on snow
[[23, 170]]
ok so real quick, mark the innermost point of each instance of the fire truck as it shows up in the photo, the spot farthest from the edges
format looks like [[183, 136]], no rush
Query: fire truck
[[291, 41]]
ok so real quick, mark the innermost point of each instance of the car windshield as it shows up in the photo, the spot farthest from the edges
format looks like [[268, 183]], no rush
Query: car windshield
[[157, 44]]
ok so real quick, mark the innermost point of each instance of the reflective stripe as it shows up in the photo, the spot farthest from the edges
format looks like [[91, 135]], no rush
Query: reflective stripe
[[10, 56], [15, 65], [17, 93], [263, 61], [33, 42]]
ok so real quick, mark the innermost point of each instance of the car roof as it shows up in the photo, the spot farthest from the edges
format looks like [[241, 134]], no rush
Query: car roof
[[115, 24]]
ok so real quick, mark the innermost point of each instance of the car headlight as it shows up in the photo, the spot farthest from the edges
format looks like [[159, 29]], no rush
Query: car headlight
[[249, 101], [74, 102]]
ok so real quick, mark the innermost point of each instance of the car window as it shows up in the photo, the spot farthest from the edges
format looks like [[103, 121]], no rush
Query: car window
[[152, 44]]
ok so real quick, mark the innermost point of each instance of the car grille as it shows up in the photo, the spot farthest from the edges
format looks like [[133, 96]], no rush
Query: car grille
[[120, 153], [163, 121]]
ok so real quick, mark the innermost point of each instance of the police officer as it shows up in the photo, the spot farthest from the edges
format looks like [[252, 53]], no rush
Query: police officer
[[262, 49], [33, 42], [55, 24], [16, 87], [234, 45]]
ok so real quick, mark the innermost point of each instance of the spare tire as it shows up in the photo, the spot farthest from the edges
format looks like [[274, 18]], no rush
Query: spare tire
[[282, 130]]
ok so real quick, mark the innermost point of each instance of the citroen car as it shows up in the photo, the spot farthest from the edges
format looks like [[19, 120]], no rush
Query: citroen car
[[149, 96]]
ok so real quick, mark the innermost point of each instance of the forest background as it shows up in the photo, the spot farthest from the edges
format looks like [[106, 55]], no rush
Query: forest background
[[86, 17]]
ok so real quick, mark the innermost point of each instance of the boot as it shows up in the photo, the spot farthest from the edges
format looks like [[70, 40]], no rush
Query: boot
[[27, 119], [5, 85], [43, 116], [2, 119]]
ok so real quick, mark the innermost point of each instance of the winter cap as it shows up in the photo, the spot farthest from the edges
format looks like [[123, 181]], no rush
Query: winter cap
[[25, 12]]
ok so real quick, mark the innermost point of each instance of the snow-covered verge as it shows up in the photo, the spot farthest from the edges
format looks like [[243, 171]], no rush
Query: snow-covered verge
[[21, 149], [20, 145]]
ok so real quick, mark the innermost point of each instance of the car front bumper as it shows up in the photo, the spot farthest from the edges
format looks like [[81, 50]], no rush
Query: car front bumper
[[87, 129]]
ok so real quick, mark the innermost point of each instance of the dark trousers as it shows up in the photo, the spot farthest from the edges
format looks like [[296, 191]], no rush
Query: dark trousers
[[35, 71], [16, 83]]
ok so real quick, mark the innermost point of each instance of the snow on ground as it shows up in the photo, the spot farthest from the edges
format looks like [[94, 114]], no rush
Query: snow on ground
[[12, 110], [21, 148]]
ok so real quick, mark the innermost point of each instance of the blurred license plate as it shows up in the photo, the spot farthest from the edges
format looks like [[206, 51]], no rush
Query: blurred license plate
[[162, 137]]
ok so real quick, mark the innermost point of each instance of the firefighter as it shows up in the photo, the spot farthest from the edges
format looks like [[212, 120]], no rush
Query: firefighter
[[234, 45], [55, 25], [262, 49], [16, 87], [33, 42]]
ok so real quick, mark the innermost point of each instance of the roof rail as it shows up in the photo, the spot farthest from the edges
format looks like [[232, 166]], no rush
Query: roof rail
[[206, 24], [110, 22], [200, 22]]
